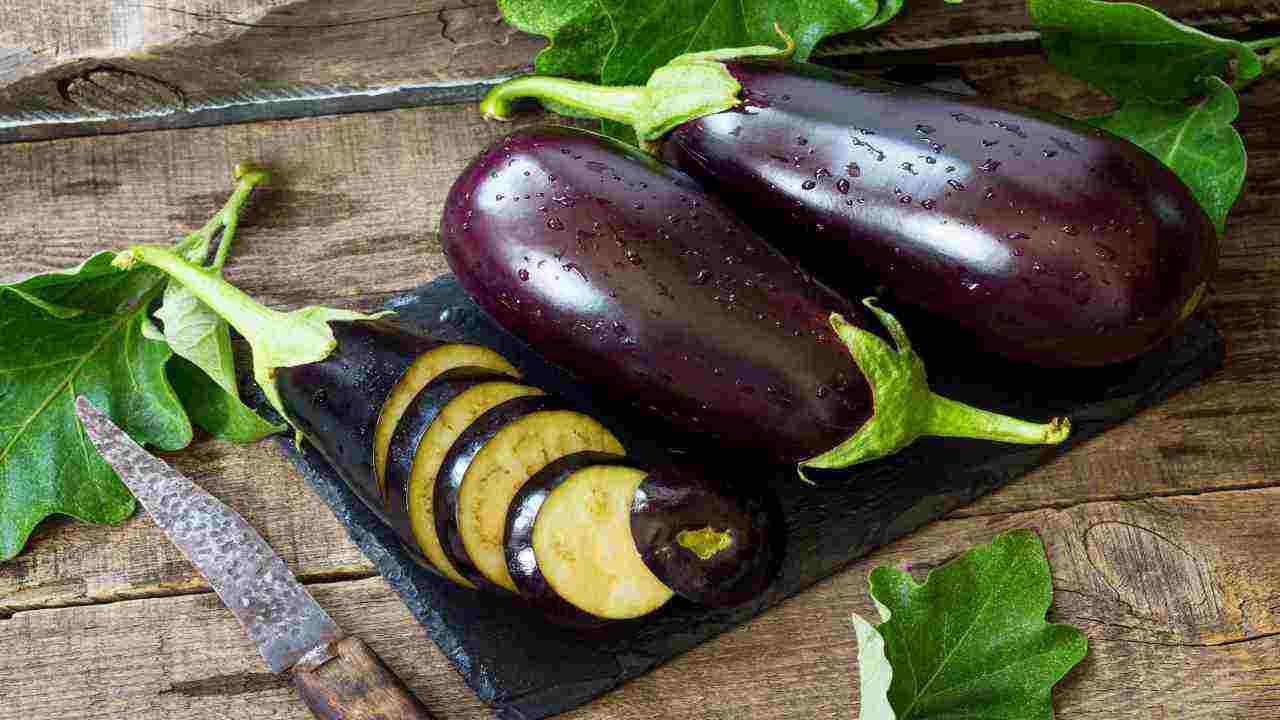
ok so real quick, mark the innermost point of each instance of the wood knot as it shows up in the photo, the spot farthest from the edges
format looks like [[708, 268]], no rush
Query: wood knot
[[1154, 576], [115, 91]]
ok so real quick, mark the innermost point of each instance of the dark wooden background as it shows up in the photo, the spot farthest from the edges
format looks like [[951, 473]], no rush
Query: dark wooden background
[[1162, 535]]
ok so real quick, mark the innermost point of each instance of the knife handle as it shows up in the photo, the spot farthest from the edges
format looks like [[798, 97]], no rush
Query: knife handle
[[356, 685]]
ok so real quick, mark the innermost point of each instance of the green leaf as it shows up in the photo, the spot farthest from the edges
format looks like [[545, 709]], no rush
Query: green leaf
[[214, 409], [1195, 140], [971, 641], [198, 335], [1131, 51], [47, 465], [620, 42], [86, 331]]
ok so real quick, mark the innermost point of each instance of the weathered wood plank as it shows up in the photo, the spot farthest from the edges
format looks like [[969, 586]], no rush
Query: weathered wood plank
[[1181, 616], [125, 56], [78, 58], [356, 202]]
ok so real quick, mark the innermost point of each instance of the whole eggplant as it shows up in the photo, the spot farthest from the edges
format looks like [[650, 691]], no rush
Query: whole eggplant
[[1051, 241], [624, 271]]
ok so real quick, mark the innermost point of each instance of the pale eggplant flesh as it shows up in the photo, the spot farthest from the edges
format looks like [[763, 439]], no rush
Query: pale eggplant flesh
[[487, 465], [413, 424], [581, 542], [522, 562]]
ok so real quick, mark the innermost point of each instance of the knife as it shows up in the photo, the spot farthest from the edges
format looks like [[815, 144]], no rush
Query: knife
[[336, 674]]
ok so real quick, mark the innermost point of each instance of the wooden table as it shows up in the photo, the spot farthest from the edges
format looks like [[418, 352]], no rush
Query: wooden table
[[1162, 535]]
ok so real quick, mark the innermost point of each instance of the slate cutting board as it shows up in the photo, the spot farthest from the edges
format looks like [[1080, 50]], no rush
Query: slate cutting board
[[526, 668]]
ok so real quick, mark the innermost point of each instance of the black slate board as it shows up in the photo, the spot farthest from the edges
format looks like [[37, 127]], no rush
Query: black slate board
[[525, 667]]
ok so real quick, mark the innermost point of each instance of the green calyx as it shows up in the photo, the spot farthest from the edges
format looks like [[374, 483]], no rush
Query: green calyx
[[905, 409], [277, 339], [689, 87]]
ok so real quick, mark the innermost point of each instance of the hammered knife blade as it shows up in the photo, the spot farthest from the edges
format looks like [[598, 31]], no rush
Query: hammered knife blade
[[338, 676]]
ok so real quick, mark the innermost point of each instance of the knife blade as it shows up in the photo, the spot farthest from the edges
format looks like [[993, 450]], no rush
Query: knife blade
[[337, 675]]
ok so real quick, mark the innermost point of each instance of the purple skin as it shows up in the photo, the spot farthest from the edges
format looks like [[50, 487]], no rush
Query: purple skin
[[672, 502], [336, 402], [1050, 241], [625, 272], [1053, 242]]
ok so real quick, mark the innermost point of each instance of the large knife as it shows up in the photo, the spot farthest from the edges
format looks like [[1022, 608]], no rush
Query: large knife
[[336, 674]]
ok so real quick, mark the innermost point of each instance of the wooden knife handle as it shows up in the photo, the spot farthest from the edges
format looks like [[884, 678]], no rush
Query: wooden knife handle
[[356, 685]]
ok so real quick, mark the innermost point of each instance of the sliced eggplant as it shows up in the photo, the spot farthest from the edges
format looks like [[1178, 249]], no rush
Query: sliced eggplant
[[583, 547], [522, 562], [429, 426], [486, 467], [710, 544], [418, 375], [338, 413], [414, 422]]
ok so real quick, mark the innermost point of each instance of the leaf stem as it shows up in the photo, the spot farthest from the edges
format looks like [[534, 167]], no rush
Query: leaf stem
[[250, 318]]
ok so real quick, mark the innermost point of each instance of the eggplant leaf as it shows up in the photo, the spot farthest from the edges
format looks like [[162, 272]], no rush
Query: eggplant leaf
[[1130, 51], [87, 331], [1195, 140], [971, 641], [92, 345], [215, 409], [620, 42]]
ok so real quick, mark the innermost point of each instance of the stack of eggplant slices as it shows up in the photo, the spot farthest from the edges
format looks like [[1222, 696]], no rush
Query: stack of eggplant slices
[[724, 295]]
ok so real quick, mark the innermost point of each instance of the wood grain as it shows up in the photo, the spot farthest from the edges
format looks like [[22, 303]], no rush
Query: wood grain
[[124, 56], [95, 57], [356, 200], [355, 684], [1182, 616]]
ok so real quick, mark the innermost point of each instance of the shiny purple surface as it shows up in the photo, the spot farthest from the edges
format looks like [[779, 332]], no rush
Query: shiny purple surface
[[1049, 240], [623, 271]]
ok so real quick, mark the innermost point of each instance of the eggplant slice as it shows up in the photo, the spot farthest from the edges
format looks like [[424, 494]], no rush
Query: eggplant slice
[[711, 544], [584, 548], [414, 424], [487, 466], [418, 375], [522, 563], [457, 414]]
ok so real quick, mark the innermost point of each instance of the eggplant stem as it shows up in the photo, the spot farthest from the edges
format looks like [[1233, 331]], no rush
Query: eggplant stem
[[904, 407], [691, 86], [611, 103]]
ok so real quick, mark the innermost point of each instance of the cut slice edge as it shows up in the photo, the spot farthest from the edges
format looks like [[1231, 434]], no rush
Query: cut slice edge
[[456, 416], [425, 368], [505, 462], [583, 545]]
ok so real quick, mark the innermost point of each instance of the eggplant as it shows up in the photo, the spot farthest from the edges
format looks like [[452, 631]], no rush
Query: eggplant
[[522, 561], [1048, 240], [569, 541], [628, 274], [709, 543], [426, 429], [485, 468], [328, 371], [346, 403]]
